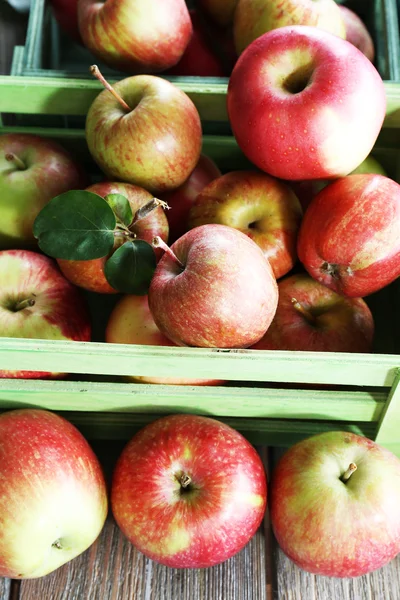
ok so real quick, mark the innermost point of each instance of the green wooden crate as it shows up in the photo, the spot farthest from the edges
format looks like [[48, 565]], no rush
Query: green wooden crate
[[274, 398], [49, 53]]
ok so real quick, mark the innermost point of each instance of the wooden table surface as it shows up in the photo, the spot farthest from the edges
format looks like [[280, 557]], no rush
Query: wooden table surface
[[113, 570]]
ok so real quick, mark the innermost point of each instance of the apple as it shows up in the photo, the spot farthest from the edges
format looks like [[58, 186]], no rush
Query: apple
[[33, 170], [220, 11], [181, 200], [262, 207], [66, 14], [296, 112], [334, 504], [188, 491], [349, 239], [357, 33], [311, 317], [154, 142], [213, 288], [199, 58], [89, 274], [36, 301], [137, 36], [53, 494], [131, 322], [252, 18], [306, 190]]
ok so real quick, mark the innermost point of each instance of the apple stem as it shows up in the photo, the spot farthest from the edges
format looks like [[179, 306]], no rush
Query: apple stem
[[25, 303], [184, 480], [347, 474], [159, 243], [94, 69], [11, 157], [303, 311], [147, 208]]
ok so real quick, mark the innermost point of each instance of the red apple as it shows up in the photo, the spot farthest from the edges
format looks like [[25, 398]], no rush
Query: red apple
[[349, 238], [189, 491], [357, 32], [33, 170], [334, 504], [312, 317], [253, 18], [131, 322], [37, 302], [89, 274], [260, 206], [53, 494], [154, 142], [137, 36], [214, 288], [199, 58], [66, 14], [296, 103], [181, 200]]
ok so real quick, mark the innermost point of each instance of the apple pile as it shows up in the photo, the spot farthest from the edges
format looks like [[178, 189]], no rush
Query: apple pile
[[169, 37], [189, 491]]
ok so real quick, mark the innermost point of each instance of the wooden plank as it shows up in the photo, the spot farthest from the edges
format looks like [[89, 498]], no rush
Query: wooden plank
[[295, 584], [241, 365], [5, 588], [56, 96], [389, 422], [264, 402]]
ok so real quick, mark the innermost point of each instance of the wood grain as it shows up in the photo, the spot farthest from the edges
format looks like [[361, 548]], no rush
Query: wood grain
[[113, 569], [295, 584]]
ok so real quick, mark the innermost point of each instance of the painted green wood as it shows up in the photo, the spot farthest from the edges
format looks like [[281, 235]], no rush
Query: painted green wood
[[388, 431], [268, 432], [51, 96], [254, 402], [240, 365], [30, 95]]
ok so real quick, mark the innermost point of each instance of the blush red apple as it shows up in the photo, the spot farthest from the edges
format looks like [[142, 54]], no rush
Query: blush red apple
[[38, 302], [296, 104], [213, 288], [262, 207], [311, 317], [188, 491], [349, 239]]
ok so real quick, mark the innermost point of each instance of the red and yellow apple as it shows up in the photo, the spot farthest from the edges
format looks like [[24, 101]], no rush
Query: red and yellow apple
[[296, 104], [33, 170], [38, 302], [213, 288], [253, 18], [349, 239], [311, 317], [262, 207], [334, 504], [53, 497], [357, 32], [154, 141], [137, 36], [189, 491]]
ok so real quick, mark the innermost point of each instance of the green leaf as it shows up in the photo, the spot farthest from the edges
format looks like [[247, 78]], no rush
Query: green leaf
[[131, 267], [76, 225], [121, 207]]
